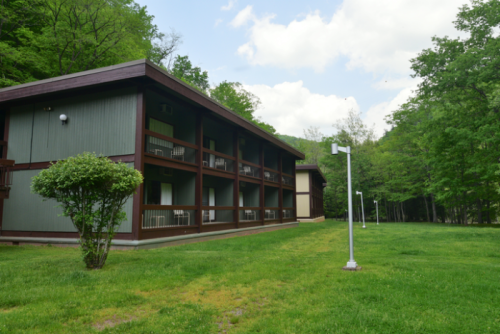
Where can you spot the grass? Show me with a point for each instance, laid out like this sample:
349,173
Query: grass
416,278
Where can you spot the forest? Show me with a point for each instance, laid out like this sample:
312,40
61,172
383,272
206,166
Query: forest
439,162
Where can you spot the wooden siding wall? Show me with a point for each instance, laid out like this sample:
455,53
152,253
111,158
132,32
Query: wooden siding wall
223,189
103,123
183,183
183,119
24,211
250,194
287,198
221,134
271,195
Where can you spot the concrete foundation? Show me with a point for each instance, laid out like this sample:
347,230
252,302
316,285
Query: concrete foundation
151,243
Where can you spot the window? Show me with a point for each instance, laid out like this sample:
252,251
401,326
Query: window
161,127
158,193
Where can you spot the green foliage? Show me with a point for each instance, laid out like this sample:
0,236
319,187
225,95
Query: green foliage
241,101
416,278
45,38
19,60
92,191
184,70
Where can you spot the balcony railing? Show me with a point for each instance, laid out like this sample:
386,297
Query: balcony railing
271,176
219,161
249,214
287,213
249,169
215,216
271,214
153,219
172,149
287,180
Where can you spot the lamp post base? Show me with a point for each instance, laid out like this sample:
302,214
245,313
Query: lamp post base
346,268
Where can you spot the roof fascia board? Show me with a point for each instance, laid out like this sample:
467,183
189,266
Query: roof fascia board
76,80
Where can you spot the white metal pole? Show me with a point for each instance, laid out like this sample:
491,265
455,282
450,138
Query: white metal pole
376,206
351,263
362,210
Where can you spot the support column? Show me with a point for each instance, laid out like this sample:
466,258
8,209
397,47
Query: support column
262,202
280,197
294,173
236,191
138,199
4,156
199,174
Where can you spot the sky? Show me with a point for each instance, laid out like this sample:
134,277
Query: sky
310,62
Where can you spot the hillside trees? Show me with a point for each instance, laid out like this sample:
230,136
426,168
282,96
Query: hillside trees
45,38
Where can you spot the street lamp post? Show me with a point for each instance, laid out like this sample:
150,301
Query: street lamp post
362,208
351,265
376,206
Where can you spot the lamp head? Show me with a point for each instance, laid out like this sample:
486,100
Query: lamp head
63,118
335,149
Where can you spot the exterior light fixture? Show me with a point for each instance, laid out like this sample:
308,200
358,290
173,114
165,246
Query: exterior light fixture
351,265
64,119
362,209
376,205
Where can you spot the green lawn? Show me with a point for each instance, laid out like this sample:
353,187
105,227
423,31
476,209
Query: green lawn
416,278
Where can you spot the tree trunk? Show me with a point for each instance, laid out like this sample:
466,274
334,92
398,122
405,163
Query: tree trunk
427,209
403,213
488,216
479,211
434,214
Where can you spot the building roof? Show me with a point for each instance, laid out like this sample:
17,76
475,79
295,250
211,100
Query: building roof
128,71
313,169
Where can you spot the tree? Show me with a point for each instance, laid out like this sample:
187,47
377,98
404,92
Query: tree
241,101
79,35
91,191
164,49
19,60
311,146
183,69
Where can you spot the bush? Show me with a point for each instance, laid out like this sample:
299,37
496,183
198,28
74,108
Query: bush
92,191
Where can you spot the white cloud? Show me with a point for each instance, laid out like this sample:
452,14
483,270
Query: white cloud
290,108
217,22
243,17
376,114
229,5
376,36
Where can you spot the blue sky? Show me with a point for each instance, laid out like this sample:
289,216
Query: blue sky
310,62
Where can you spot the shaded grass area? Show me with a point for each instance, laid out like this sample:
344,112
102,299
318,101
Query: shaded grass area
416,278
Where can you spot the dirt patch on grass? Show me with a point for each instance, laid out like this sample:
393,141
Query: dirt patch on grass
113,321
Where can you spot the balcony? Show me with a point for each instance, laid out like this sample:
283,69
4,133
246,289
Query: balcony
214,215
216,160
249,214
287,180
170,148
249,169
271,176
271,214
167,217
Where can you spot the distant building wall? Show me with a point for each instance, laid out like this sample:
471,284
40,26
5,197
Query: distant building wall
302,181
24,211
303,206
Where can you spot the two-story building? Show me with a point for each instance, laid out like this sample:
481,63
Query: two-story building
206,169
